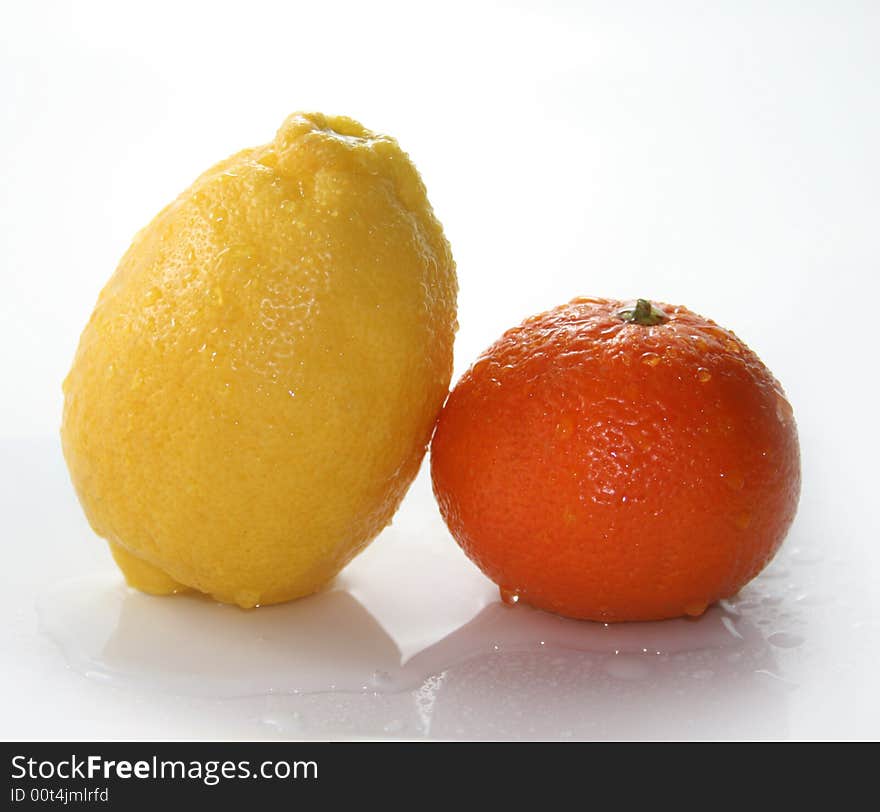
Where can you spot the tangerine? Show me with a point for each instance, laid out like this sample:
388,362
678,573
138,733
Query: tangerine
612,462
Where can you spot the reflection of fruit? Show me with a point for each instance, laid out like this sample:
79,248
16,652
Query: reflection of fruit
618,462
256,387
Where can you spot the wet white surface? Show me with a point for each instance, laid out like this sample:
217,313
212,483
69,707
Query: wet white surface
411,641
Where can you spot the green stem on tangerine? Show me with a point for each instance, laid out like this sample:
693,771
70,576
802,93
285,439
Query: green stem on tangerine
644,313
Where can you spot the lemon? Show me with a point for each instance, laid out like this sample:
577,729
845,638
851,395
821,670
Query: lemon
256,386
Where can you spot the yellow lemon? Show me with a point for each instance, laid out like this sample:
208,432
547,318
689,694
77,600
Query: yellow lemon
255,389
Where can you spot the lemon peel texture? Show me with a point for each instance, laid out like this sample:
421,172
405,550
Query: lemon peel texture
256,386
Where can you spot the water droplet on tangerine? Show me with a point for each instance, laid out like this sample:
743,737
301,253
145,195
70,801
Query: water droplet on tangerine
565,426
695,608
734,480
784,411
743,520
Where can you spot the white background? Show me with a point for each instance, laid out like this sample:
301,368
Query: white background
718,155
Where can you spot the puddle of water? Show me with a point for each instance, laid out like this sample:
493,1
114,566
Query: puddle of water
330,642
